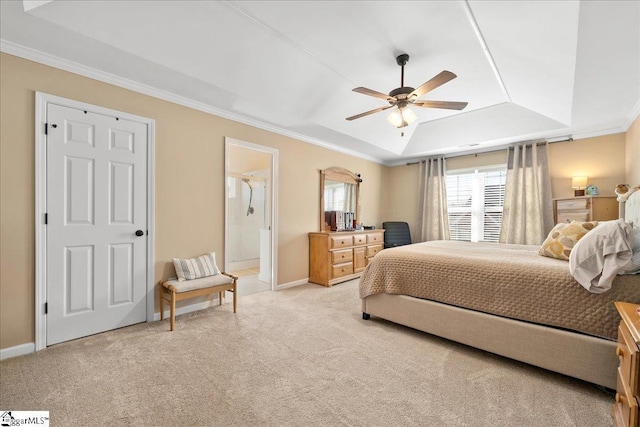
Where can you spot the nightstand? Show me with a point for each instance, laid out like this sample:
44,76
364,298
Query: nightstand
625,410
585,208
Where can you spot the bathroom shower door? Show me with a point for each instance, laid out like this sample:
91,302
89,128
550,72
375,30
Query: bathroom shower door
249,215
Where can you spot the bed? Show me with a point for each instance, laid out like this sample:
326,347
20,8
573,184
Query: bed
505,299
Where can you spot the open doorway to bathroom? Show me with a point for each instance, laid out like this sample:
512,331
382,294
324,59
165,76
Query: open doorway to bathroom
250,249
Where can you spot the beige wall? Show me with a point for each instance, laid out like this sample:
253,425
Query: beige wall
243,160
400,201
601,159
189,149
632,168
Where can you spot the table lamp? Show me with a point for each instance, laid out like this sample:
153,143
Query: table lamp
579,183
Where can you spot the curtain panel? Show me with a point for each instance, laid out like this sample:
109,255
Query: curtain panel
350,198
433,223
528,212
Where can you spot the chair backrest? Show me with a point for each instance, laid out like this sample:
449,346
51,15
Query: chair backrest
396,233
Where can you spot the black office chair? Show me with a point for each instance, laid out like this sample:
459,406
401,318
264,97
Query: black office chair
396,234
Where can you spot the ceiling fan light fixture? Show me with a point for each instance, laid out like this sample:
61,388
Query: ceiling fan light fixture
401,117
405,95
408,115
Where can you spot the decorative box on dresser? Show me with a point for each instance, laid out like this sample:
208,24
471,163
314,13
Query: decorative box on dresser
625,410
585,208
336,257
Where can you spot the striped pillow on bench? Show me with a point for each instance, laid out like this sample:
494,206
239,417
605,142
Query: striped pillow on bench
196,268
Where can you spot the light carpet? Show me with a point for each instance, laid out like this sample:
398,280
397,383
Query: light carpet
297,357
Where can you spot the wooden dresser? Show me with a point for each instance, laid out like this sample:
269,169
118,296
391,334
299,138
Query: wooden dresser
625,410
336,257
585,208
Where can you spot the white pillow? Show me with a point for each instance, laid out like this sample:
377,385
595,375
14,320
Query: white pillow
633,266
195,268
597,258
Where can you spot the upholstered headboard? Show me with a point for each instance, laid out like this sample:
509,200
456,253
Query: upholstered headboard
631,208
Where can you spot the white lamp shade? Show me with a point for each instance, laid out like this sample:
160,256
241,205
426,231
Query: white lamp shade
408,115
395,118
401,117
579,182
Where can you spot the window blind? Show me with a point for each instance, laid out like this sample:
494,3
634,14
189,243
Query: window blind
474,202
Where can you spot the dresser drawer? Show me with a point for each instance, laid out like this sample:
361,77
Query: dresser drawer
341,241
627,352
360,239
626,407
572,204
573,216
373,250
374,238
340,270
341,256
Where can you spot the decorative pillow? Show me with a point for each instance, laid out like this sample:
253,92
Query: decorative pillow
563,238
599,256
195,268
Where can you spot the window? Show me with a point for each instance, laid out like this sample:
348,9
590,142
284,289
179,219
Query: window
474,202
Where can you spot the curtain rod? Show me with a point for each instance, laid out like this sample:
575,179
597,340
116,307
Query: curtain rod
491,151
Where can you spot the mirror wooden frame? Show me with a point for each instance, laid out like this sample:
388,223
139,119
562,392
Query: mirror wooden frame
342,175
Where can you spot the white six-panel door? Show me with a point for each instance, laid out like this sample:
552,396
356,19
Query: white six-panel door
96,268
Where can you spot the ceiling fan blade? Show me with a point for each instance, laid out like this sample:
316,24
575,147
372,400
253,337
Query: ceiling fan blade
449,105
435,82
357,116
370,92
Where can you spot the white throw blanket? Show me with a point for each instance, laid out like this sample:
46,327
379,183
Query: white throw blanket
597,258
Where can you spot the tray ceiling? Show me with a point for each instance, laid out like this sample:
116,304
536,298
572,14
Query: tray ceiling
528,69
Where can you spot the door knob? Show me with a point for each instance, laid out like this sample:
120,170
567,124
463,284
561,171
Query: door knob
139,233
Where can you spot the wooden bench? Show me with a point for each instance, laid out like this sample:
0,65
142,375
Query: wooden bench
172,290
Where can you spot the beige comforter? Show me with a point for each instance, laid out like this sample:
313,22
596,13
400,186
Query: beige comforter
507,280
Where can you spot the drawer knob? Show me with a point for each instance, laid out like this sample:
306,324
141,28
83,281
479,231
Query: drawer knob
621,399
619,352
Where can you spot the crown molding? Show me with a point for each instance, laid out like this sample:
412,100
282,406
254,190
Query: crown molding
577,134
633,115
105,77
574,134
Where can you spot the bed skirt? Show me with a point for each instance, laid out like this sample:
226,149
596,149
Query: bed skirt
577,355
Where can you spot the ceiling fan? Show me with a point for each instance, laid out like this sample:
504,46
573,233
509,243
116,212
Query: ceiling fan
404,96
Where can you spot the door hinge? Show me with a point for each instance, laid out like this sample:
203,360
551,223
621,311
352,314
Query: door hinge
46,308
46,218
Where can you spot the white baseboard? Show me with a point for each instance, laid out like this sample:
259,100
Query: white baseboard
292,284
192,307
18,350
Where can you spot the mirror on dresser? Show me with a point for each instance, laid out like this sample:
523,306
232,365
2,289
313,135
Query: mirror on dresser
339,199
338,252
